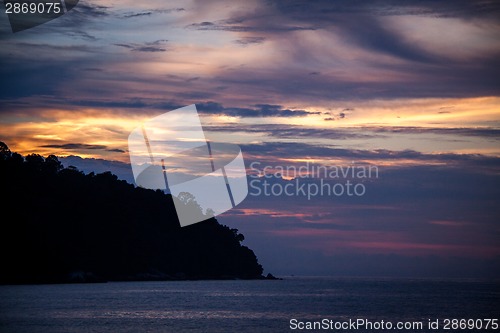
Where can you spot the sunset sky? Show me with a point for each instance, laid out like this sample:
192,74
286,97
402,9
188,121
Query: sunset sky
410,87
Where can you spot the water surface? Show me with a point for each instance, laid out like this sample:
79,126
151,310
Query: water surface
239,306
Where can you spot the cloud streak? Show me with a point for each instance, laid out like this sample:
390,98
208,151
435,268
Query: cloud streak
82,146
259,110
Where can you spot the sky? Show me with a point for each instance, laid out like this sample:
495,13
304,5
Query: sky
411,89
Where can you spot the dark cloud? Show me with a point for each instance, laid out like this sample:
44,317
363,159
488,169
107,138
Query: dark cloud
149,49
45,47
322,8
423,74
76,20
93,69
366,132
374,35
294,131
464,131
90,9
81,34
82,146
116,150
30,79
138,14
426,73
249,40
357,22
127,46
275,152
151,12
131,103
259,110
453,80
236,26
155,46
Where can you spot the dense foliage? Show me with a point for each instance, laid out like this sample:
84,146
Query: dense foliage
61,225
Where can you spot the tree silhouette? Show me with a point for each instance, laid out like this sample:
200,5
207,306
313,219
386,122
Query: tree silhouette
67,226
5,152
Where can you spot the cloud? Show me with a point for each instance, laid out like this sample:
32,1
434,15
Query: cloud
295,153
376,36
293,131
259,110
75,146
138,14
244,41
155,46
342,18
75,21
324,8
366,132
151,12
405,64
379,59
493,133
149,49
93,69
82,146
234,25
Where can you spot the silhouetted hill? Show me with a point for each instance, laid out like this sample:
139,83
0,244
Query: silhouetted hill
61,225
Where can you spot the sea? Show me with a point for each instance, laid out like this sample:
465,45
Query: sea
294,304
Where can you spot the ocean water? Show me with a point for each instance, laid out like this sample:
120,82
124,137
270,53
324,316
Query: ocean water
247,306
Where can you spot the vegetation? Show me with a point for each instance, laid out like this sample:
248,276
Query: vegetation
61,225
